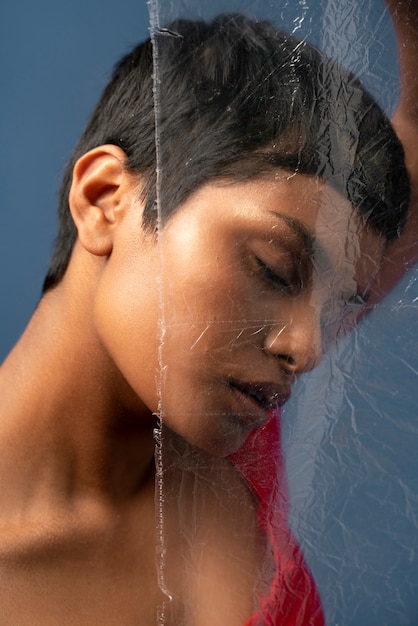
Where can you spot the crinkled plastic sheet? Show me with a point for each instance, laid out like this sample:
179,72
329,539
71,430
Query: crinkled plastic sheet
314,519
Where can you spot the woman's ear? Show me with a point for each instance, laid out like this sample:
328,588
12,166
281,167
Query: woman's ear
98,199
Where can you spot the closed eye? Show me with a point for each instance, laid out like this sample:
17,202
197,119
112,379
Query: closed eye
273,277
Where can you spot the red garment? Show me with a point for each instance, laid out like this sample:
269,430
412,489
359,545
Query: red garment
293,599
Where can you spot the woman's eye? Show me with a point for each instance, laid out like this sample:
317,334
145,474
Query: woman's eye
273,277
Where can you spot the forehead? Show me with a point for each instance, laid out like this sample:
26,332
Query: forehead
308,201
296,212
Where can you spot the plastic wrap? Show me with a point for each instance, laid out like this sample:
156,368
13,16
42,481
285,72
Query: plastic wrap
306,513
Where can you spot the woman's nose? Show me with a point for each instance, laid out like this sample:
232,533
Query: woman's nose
297,339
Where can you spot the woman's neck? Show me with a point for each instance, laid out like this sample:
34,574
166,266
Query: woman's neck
70,423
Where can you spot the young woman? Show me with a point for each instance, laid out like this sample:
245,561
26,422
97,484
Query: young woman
213,225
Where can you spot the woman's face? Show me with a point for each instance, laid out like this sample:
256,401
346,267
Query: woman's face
212,324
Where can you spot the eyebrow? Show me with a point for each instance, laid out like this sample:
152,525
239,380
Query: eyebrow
308,240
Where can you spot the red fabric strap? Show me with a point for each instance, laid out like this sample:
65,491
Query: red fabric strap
293,599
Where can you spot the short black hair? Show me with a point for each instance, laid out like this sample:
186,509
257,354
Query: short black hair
237,98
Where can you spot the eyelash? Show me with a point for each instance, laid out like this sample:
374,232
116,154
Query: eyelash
272,277
353,302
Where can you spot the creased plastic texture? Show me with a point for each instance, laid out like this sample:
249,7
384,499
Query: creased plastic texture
312,519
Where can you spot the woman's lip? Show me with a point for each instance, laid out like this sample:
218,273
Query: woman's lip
257,400
266,395
251,413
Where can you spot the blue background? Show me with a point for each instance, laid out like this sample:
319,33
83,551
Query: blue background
350,433
55,59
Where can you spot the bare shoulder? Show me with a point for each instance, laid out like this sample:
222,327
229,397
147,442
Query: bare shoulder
79,571
86,571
